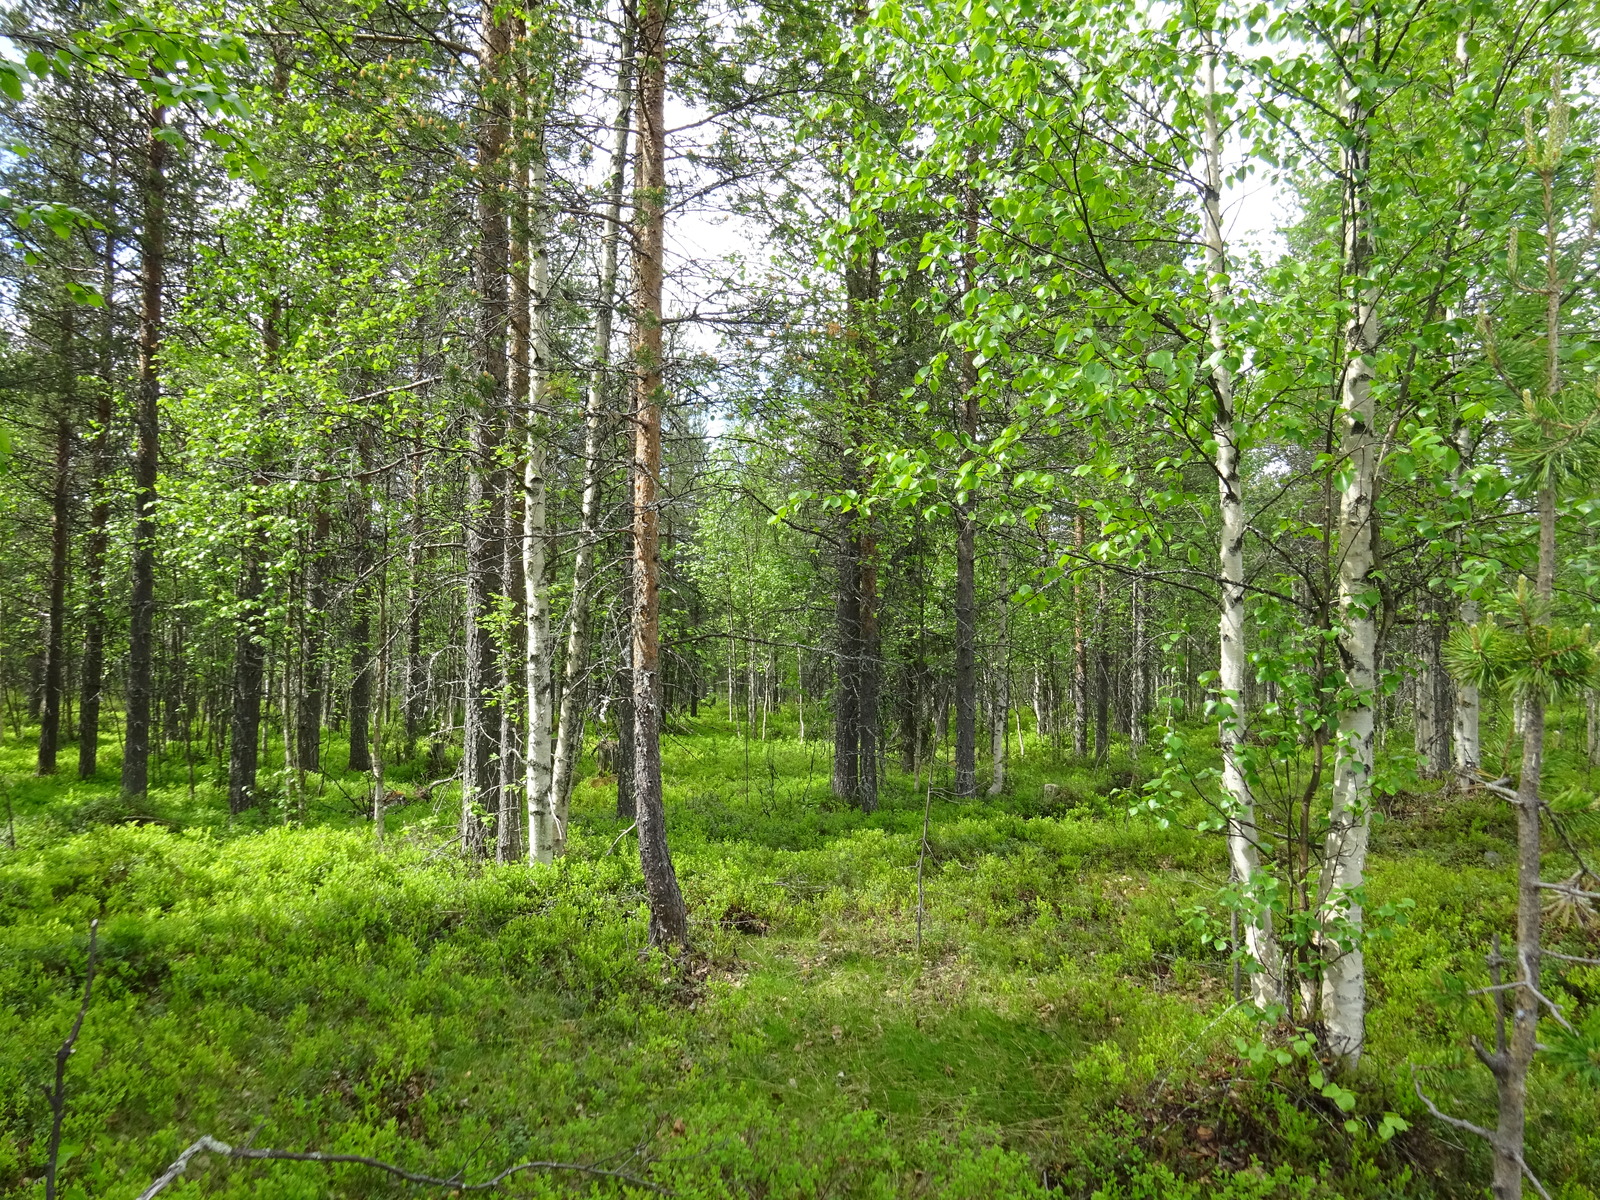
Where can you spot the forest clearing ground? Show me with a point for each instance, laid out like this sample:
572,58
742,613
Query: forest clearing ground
1063,1027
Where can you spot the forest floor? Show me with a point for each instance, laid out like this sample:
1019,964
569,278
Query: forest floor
1058,1025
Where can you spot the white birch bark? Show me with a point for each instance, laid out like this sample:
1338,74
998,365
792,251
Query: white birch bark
1464,722
569,736
1243,841
542,830
1344,981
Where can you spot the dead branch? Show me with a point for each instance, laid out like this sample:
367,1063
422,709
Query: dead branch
212,1145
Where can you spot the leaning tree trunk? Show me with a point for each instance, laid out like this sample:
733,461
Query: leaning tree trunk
142,595
574,691
669,918
1344,980
1267,982
484,519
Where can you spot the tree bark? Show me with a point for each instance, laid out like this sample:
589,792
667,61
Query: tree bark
55,646
142,595
484,519
545,837
1344,982
92,673
313,642
847,681
966,665
361,661
249,660
669,918
574,692
1080,647
1267,979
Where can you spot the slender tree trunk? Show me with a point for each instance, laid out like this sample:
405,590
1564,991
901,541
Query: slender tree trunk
869,676
574,693
249,661
55,647
1513,1058
416,696
545,838
1139,672
142,595
484,519
847,678
1102,674
313,641
361,662
92,675
966,666
380,796
669,918
1080,648
1267,980
1344,982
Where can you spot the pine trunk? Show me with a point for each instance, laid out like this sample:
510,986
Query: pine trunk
669,918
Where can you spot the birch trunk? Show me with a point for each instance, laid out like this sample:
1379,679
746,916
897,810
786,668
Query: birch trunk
569,736
1244,853
543,832
1464,734
1344,981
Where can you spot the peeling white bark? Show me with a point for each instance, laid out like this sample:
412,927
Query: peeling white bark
1344,981
1243,840
542,830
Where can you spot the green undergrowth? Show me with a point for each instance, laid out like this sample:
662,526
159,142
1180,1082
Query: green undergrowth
1054,1026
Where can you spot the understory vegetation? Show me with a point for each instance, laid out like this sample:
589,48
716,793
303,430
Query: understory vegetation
1064,1023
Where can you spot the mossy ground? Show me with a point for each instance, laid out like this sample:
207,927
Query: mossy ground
1059,1028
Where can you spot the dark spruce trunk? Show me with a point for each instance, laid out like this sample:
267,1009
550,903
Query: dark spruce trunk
55,646
249,664
142,595
485,519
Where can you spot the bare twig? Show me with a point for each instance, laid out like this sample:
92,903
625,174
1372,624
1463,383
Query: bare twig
58,1097
1568,890
212,1145
613,847
1478,1130
1433,1108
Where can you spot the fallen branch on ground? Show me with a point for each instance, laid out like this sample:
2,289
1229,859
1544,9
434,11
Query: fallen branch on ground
211,1145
